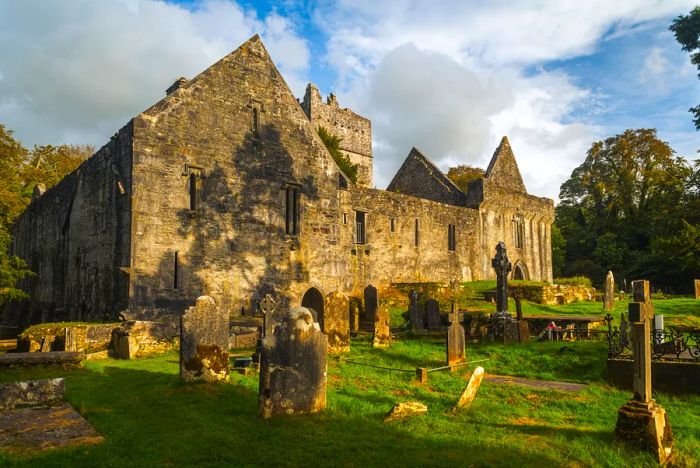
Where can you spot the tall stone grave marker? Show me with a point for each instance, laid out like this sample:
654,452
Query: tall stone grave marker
641,421
336,322
371,302
293,367
355,308
502,326
432,311
382,333
609,297
204,342
415,312
267,308
455,339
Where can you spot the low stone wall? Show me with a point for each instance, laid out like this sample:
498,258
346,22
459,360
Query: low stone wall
31,393
136,338
672,377
551,294
88,337
476,325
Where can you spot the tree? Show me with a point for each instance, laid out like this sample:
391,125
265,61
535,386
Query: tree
558,251
462,174
686,28
629,194
332,144
48,164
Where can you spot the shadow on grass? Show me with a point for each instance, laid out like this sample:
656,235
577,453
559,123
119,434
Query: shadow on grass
152,419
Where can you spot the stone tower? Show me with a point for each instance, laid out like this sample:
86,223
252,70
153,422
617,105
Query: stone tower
354,130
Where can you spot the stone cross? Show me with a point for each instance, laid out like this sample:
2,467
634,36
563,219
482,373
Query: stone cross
267,307
609,297
640,313
502,266
455,339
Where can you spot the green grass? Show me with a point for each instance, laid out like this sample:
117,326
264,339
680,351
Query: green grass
150,418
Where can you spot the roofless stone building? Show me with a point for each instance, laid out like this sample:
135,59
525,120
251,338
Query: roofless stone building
223,188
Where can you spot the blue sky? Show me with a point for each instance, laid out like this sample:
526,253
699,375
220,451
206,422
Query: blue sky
449,77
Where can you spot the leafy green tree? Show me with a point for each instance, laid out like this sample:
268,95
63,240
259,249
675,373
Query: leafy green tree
558,251
332,144
630,193
462,174
48,164
686,28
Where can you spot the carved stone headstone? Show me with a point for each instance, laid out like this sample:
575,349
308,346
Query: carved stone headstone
432,312
336,322
455,339
381,338
415,312
204,342
293,368
371,302
609,297
469,392
641,420
267,308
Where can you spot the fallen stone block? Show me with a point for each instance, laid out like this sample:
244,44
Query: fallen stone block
406,410
64,358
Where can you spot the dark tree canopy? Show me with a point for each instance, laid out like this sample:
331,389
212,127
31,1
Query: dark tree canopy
629,208
686,28
463,174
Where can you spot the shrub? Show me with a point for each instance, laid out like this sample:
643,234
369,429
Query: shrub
574,281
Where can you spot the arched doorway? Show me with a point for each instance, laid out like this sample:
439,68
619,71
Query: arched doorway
519,272
313,300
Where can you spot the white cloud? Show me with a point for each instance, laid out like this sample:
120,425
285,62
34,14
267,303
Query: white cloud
77,70
469,80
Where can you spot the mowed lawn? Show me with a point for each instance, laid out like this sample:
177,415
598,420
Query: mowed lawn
150,418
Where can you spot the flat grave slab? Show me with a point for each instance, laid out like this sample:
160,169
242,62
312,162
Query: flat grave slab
538,384
45,427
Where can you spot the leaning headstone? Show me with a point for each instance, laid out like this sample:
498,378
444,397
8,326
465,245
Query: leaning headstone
697,289
502,326
415,312
455,339
609,297
469,393
336,322
204,342
641,421
432,312
293,367
381,338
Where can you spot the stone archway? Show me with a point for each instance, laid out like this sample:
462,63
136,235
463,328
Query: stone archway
519,272
313,300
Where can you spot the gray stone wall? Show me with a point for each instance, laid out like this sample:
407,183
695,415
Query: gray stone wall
354,130
76,238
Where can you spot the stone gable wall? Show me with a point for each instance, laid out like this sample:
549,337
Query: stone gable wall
75,237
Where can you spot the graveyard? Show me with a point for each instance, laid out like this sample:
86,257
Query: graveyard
558,411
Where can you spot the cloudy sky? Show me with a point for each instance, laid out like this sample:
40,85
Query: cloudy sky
449,77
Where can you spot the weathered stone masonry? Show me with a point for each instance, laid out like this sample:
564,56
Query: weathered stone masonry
223,188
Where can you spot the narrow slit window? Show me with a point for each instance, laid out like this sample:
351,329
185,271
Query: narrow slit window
451,237
519,231
255,123
193,192
345,218
360,227
392,225
292,211
176,272
417,233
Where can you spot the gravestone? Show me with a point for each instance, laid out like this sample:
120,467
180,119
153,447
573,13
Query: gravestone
415,312
293,367
355,308
697,289
336,322
371,301
381,338
267,308
204,342
432,312
641,421
455,339
609,297
469,392
70,340
502,326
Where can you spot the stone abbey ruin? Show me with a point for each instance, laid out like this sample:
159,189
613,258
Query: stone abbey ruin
223,188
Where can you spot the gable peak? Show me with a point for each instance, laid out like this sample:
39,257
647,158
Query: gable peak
503,169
